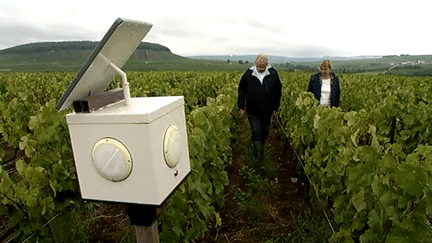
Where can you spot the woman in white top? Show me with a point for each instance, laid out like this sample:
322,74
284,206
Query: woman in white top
325,85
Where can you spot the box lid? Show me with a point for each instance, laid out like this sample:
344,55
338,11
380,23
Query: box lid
143,110
118,44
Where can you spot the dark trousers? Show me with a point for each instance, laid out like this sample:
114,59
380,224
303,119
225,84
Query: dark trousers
260,126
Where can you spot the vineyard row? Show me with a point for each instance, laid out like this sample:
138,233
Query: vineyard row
370,158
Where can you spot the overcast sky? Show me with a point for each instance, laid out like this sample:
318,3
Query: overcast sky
301,28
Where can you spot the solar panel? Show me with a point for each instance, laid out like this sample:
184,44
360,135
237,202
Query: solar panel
118,44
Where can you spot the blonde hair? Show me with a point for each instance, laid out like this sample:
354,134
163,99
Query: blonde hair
261,57
326,64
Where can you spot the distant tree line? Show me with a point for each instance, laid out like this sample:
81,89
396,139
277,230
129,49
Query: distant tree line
402,55
340,67
412,70
292,66
362,67
239,61
69,46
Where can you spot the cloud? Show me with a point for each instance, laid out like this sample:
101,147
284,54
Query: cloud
260,26
192,27
23,33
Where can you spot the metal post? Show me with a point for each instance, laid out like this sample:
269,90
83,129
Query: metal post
123,75
126,89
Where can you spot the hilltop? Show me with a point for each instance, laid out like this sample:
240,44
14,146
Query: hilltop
71,55
46,47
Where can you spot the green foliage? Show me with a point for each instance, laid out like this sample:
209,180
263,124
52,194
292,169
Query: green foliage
195,205
31,123
260,178
379,190
309,227
243,198
73,225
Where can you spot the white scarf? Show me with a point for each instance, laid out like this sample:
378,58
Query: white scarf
259,75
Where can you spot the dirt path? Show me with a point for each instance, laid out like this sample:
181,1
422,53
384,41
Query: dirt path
276,220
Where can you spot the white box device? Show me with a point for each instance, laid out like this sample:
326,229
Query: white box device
131,150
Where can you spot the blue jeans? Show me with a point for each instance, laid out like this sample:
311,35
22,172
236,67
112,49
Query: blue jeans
260,127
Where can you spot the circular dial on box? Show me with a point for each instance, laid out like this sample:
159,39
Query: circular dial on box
112,159
172,146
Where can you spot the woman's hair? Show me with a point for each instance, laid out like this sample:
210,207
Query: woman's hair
326,64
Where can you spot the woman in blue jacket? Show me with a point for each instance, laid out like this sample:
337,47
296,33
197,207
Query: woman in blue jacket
325,85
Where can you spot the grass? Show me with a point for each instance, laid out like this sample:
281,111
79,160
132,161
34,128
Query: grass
87,222
310,227
73,225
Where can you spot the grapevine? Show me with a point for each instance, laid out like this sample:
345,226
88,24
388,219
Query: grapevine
379,190
31,123
371,158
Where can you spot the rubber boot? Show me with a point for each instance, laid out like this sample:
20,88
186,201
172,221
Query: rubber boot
259,151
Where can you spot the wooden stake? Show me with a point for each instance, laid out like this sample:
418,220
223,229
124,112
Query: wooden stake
147,234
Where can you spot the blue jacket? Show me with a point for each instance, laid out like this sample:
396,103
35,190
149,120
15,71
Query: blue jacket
315,84
259,99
